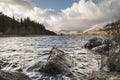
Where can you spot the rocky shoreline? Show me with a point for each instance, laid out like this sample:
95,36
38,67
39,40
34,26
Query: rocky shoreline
110,58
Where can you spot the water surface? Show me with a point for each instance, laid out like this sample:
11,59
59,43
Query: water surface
25,51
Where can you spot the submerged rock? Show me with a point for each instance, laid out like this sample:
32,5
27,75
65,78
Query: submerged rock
13,76
4,65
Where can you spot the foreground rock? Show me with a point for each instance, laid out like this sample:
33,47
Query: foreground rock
57,65
111,62
110,59
58,62
114,60
13,76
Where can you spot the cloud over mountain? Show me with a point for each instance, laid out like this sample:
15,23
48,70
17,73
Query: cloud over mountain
84,14
79,16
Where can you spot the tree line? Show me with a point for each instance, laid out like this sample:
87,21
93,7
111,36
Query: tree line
10,26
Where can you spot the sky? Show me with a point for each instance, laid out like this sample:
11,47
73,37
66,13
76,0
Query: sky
57,5
57,15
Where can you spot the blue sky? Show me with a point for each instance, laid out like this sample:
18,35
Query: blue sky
57,5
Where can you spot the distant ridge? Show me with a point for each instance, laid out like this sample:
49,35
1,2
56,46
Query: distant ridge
96,27
105,29
10,26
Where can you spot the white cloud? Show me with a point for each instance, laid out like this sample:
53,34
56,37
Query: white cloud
79,16
25,8
84,14
15,8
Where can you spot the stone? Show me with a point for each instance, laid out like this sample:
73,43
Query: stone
58,62
56,67
99,45
94,42
114,60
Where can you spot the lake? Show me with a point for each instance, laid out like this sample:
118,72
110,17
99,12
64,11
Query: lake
23,52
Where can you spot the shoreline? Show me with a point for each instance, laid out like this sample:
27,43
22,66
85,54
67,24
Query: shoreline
53,35
25,35
37,35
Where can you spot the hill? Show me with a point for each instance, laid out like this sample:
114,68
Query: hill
10,26
107,29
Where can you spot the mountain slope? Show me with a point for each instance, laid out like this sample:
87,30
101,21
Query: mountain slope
104,29
96,27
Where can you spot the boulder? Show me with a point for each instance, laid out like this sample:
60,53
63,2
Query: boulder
13,76
57,63
99,45
94,42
